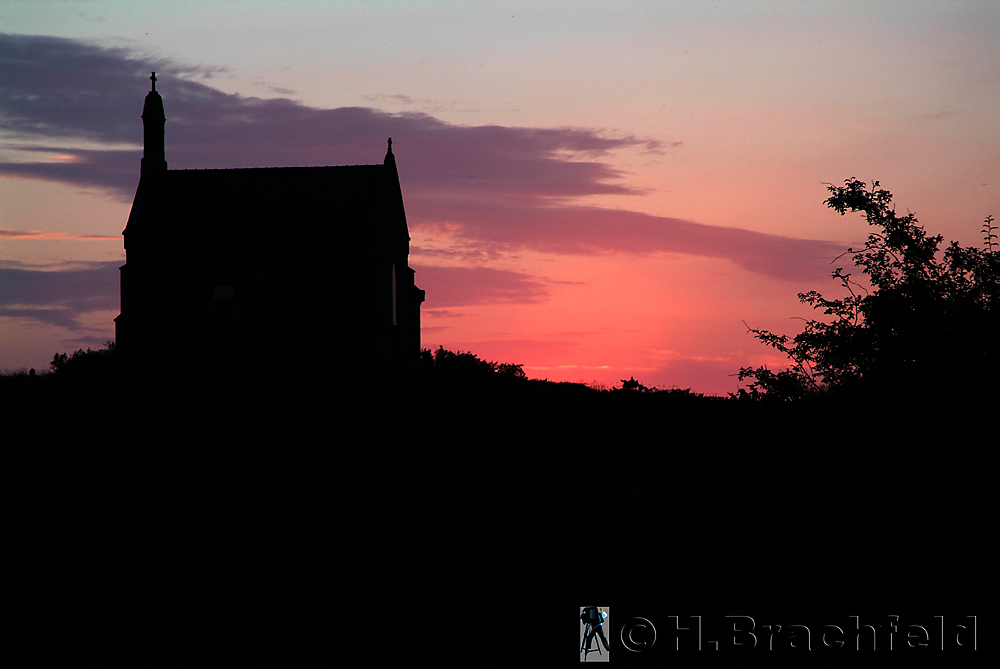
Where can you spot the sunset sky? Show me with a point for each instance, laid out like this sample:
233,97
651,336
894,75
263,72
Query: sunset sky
595,190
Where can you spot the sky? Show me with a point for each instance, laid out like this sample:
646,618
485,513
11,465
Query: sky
594,190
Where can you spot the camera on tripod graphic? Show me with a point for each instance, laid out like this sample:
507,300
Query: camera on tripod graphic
593,618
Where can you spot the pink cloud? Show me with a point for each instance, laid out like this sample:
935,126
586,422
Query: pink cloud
467,286
36,234
573,229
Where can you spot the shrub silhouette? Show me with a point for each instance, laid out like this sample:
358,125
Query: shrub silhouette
926,323
784,385
89,362
633,386
465,363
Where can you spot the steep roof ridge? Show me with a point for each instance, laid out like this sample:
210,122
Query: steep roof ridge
275,167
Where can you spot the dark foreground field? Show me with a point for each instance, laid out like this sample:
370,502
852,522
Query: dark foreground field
446,522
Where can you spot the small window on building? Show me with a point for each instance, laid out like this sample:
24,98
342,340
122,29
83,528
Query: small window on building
222,293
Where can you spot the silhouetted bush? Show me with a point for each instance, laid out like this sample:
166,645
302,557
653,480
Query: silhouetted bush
767,385
633,386
927,324
630,387
426,359
86,363
463,362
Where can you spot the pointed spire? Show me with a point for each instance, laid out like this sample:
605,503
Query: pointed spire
390,159
153,120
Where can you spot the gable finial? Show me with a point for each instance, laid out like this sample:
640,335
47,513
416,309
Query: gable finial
390,145
152,78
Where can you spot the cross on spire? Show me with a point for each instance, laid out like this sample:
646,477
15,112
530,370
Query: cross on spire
152,78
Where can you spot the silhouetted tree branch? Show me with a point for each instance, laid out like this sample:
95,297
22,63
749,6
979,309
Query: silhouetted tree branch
929,322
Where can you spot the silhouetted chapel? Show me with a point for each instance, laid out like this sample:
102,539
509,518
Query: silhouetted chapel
296,263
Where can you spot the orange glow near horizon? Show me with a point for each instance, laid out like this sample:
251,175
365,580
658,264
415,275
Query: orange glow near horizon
644,318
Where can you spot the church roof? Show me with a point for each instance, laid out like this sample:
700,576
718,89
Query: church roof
256,204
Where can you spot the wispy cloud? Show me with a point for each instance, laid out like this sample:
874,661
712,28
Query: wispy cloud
405,99
58,297
581,230
37,234
468,286
934,117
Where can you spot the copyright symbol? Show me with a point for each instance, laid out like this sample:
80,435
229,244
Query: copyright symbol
638,635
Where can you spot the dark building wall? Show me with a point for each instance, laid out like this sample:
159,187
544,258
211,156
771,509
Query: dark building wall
256,300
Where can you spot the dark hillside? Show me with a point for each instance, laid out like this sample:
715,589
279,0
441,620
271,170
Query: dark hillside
295,519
